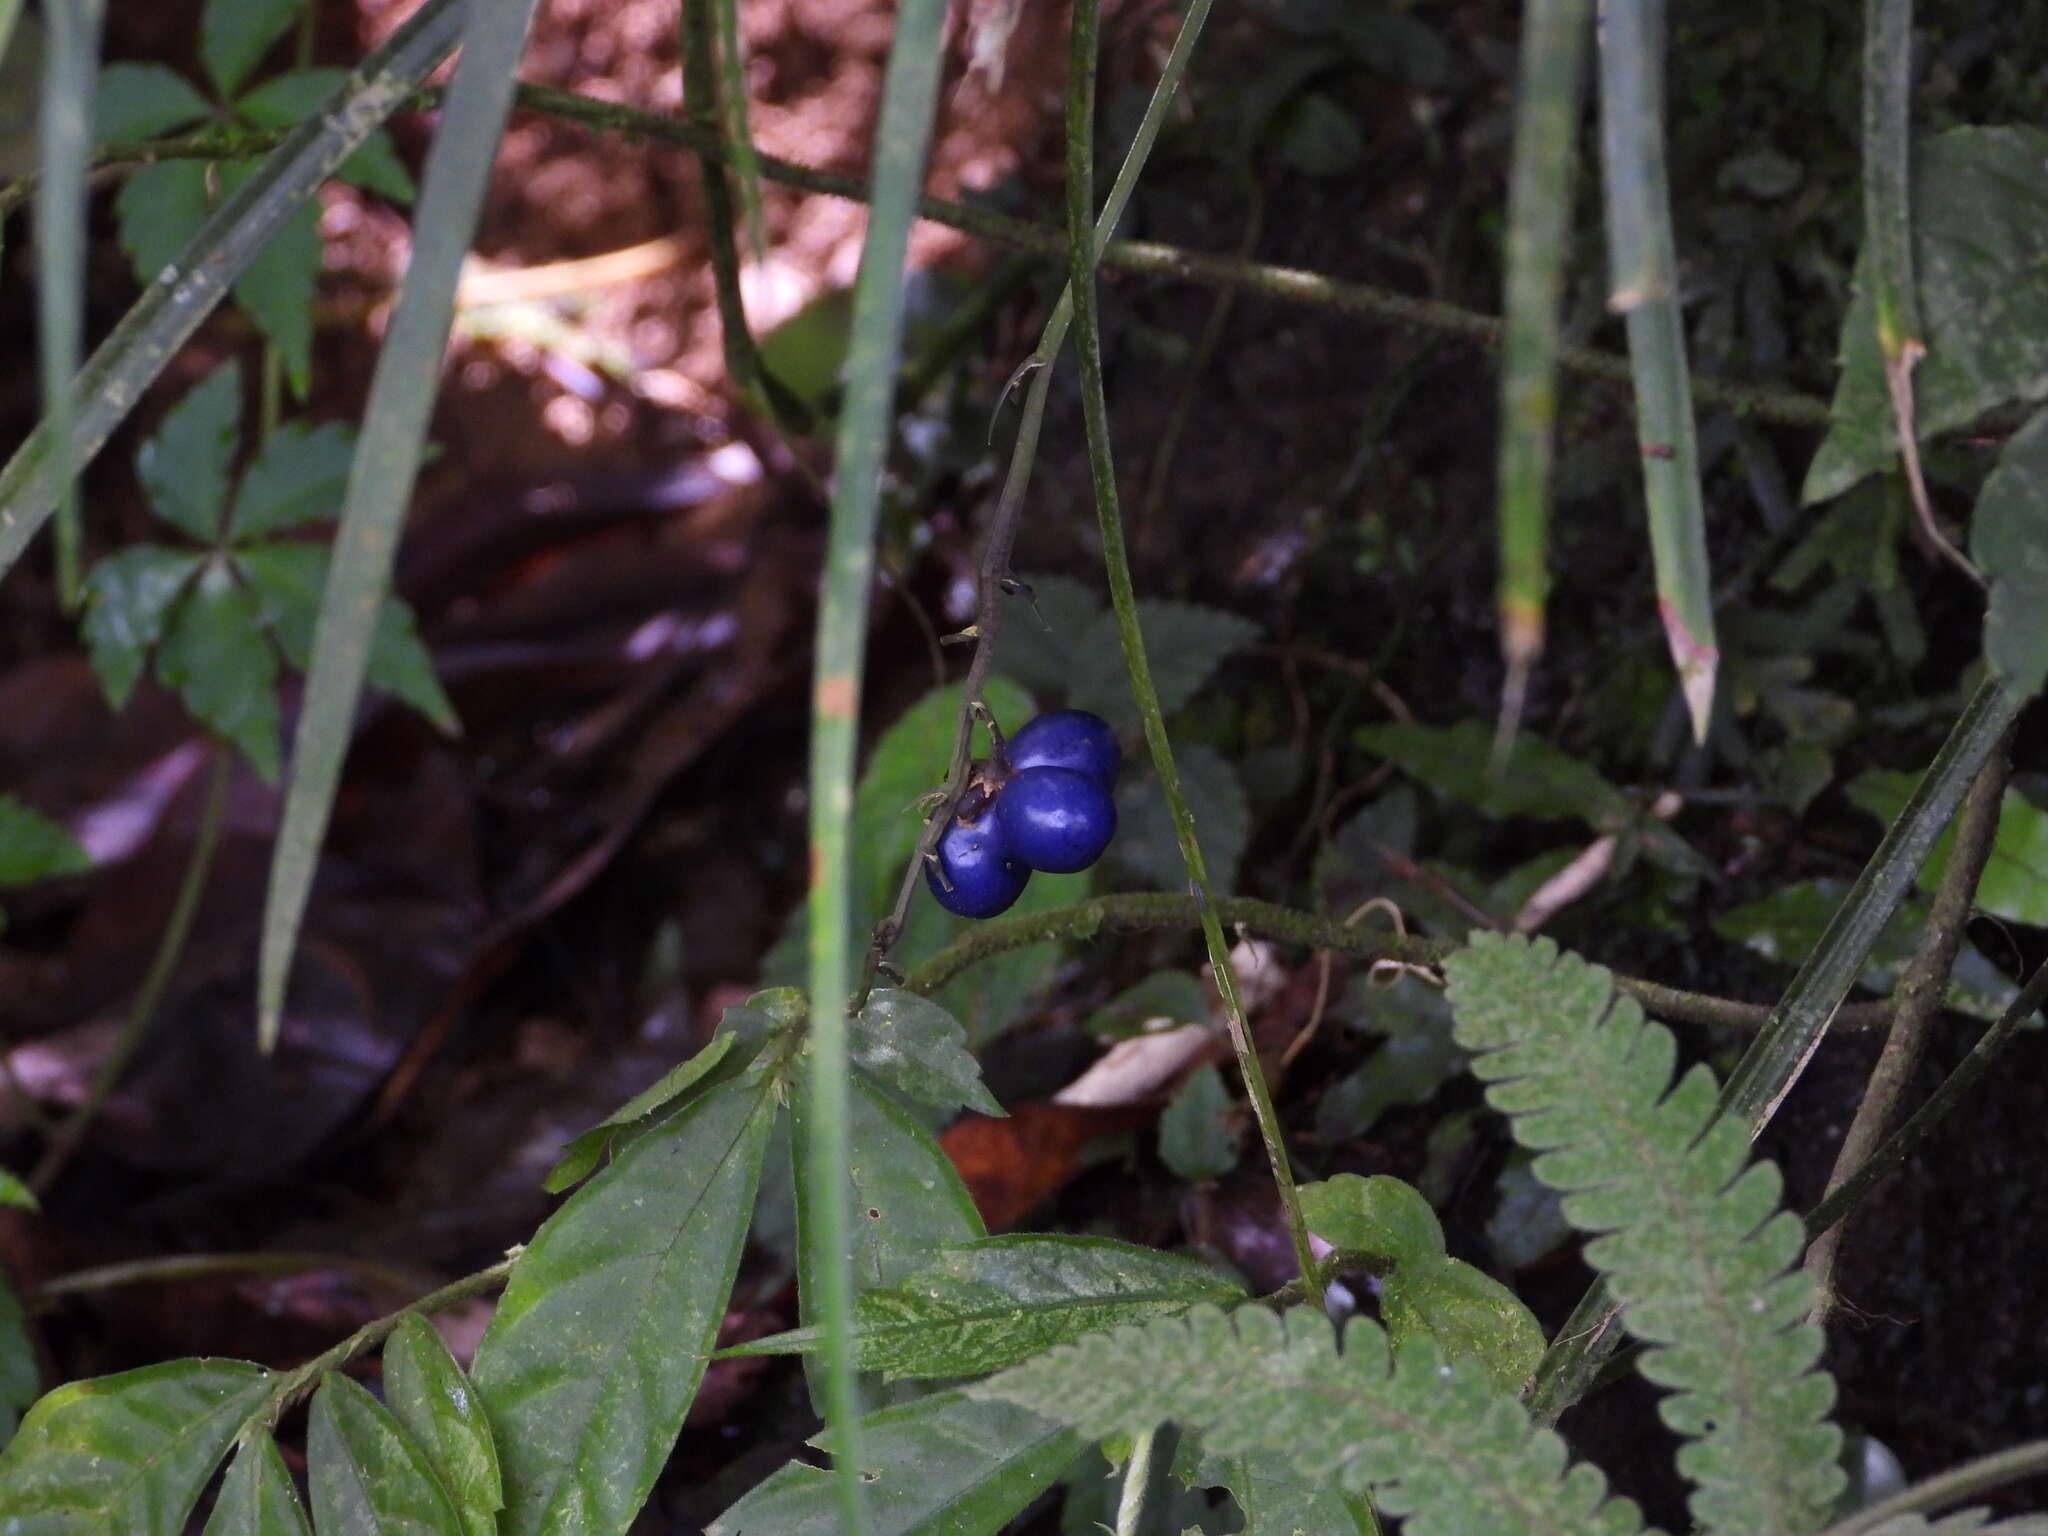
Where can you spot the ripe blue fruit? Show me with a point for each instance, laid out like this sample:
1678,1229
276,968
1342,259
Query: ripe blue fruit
982,874
1069,738
1055,819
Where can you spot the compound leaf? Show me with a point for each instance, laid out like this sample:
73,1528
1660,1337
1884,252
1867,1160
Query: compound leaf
125,1453
600,1339
127,597
291,98
157,211
140,101
216,655
296,478
235,34
277,288
184,467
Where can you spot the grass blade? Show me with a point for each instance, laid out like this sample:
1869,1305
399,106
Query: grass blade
1644,275
171,308
381,478
909,96
1539,228
71,62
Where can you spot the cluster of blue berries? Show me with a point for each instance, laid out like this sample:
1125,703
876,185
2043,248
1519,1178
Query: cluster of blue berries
1043,802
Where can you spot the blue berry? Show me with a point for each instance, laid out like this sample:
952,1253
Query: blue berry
982,877
1069,738
1055,819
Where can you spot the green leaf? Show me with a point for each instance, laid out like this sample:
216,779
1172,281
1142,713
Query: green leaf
157,211
983,1305
127,596
2015,880
1185,643
184,468
587,1150
2009,543
1197,1136
1417,1057
292,98
32,848
433,1401
1041,636
297,477
1538,780
1692,1249
1468,1314
12,1191
941,1466
918,1049
365,1473
216,655
141,101
288,581
1145,842
1174,995
1433,1442
600,1339
1275,1502
20,1379
278,287
1979,199
257,1497
126,1453
235,34
1376,1215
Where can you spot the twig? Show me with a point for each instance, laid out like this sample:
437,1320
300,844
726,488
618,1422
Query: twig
1920,995
175,1268
1142,258
1972,1477
1139,912
170,947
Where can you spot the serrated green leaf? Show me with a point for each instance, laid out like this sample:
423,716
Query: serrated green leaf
983,1305
277,288
1185,642
257,1497
600,1339
296,478
291,98
1197,1134
235,34
435,1404
365,1473
126,1453
2015,880
217,656
587,1150
401,665
2009,543
127,596
140,101
1539,780
1433,1442
941,1466
1979,199
918,1049
1692,1248
33,847
1376,1215
19,1377
1145,842
184,467
157,211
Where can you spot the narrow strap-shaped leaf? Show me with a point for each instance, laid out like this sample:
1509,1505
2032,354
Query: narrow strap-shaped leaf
941,1466
126,1453
1539,230
381,479
600,1339
1695,1246
910,87
435,1403
257,1497
171,308
1431,1441
977,1307
365,1473
1644,277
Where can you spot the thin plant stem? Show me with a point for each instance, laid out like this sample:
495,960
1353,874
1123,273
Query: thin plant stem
1951,1487
170,948
295,1385
1144,911
176,1268
1921,993
1124,602
1130,1504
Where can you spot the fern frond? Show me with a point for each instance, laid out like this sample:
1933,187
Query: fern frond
1432,1441
1695,1244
